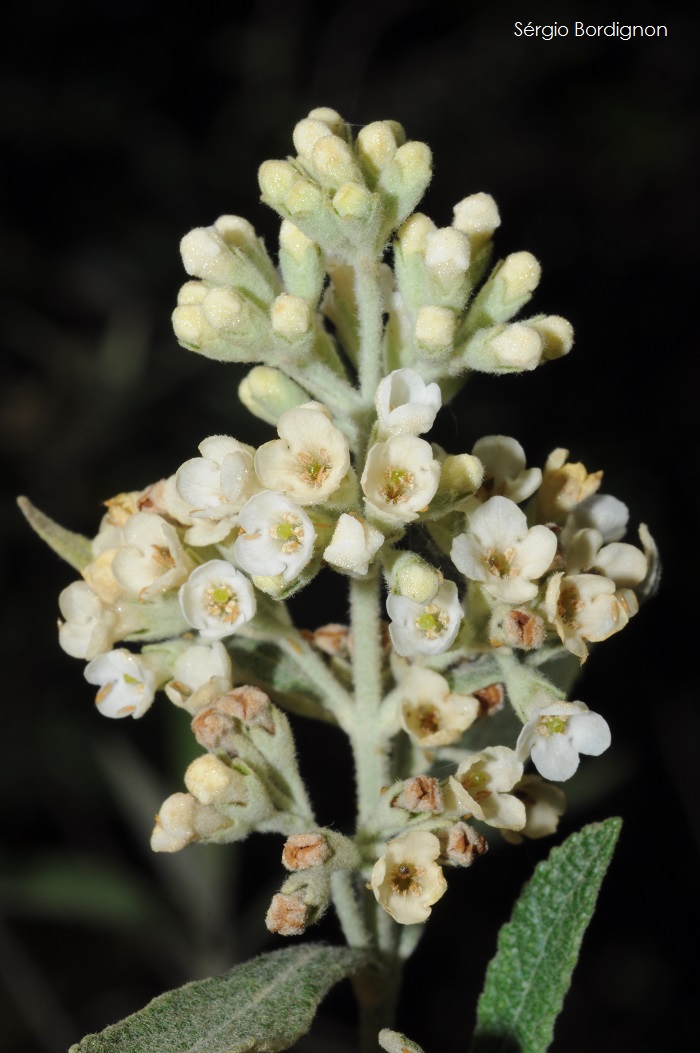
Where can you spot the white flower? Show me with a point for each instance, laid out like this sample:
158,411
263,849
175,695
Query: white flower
277,536
127,683
400,478
603,512
544,805
505,474
217,485
151,559
431,713
587,607
309,460
424,628
406,405
502,552
407,881
217,599
201,674
556,735
90,626
624,564
353,545
480,788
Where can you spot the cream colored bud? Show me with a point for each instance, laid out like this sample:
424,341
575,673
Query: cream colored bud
303,851
205,255
556,333
331,118
517,347
276,179
415,579
520,275
333,161
188,324
268,393
447,249
303,199
191,293
237,232
462,474
376,145
212,781
478,217
352,201
295,242
435,328
414,160
307,133
413,233
291,317
288,915
225,309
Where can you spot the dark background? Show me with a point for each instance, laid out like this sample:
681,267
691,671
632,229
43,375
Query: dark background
123,126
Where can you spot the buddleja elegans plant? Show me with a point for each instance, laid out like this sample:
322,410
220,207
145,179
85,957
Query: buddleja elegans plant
469,577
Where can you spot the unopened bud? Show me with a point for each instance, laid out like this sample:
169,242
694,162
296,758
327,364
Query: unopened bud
477,216
212,781
291,317
303,851
205,254
376,146
182,820
556,333
288,915
414,578
268,393
225,310
191,293
447,251
413,233
237,232
461,475
276,179
503,349
353,201
331,118
334,163
295,242
304,199
435,329
307,133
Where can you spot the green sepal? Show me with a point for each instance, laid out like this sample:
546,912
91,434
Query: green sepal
265,1004
73,548
538,948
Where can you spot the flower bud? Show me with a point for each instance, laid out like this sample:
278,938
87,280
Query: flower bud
301,263
556,333
303,851
510,285
205,254
268,393
415,579
332,119
353,201
291,317
435,329
214,782
477,216
276,179
333,162
405,180
503,349
306,134
288,915
376,147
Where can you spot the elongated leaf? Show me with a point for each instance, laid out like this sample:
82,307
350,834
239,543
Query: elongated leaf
265,1004
74,548
538,948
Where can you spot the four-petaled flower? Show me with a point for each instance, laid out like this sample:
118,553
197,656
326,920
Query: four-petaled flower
406,880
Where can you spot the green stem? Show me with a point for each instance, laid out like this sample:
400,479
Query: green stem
371,754
368,298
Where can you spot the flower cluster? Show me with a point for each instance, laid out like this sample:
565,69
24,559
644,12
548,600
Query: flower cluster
491,568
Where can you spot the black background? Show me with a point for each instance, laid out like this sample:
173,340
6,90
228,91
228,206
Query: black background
123,126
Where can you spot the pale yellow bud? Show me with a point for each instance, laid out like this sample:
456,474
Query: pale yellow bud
461,475
304,198
212,781
276,179
556,333
191,293
414,232
307,133
435,328
414,160
352,201
478,217
520,275
294,241
268,393
291,317
376,145
517,347
333,161
188,323
417,581
331,118
236,231
224,309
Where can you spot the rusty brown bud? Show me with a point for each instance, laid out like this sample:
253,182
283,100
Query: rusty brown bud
302,851
464,844
491,699
288,915
420,794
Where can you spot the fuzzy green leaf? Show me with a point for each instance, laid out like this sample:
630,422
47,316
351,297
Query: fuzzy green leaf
74,548
537,949
265,1004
